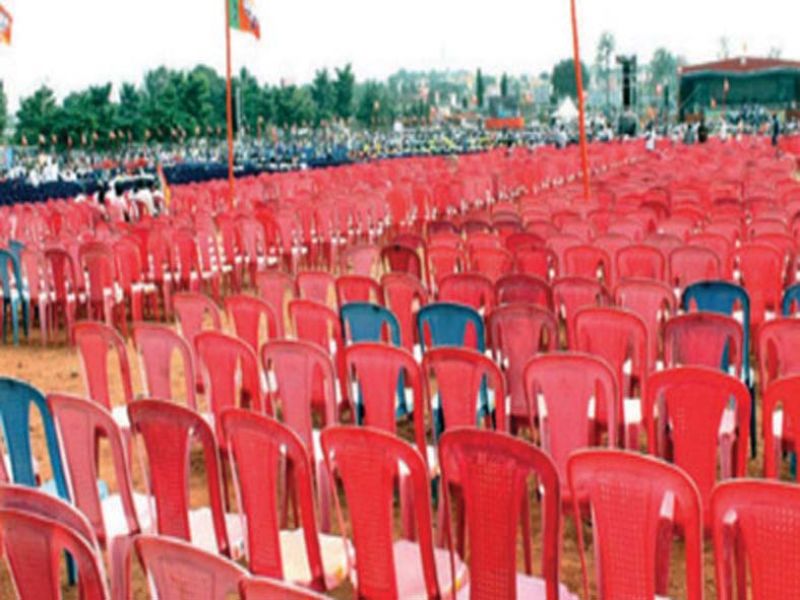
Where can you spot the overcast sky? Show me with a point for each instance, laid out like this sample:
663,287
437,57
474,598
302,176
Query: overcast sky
69,44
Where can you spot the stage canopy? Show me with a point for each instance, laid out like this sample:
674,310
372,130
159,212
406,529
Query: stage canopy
736,82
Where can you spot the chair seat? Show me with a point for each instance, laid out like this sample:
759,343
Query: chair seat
408,566
295,558
529,588
114,515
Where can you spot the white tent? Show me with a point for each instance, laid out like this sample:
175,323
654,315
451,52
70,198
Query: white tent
566,111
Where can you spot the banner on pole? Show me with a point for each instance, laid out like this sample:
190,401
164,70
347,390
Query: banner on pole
5,26
242,16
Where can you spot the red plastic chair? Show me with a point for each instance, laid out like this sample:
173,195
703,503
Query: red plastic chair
704,339
589,262
167,431
368,462
493,474
463,380
65,285
443,261
755,534
717,243
317,286
360,260
105,298
780,422
37,289
517,333
637,505
185,260
471,289
617,335
131,278
778,350
33,546
494,263
654,302
277,289
400,258
404,295
156,345
761,270
612,243
195,312
703,415
691,264
570,294
519,288
318,324
357,288
640,262
250,316
259,446
539,262
178,570
261,588
523,241
580,398
95,341
229,368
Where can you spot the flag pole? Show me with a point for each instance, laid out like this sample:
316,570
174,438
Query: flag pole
229,102
581,108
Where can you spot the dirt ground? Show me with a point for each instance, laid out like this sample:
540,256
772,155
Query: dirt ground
57,368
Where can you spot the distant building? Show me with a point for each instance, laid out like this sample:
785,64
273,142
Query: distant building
738,82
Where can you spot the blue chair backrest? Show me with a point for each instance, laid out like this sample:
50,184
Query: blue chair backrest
365,322
448,324
16,247
722,297
7,258
791,297
16,398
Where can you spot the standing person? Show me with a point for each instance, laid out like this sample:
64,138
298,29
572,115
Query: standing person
776,130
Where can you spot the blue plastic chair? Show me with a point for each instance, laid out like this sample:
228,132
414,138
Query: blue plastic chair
366,322
13,298
16,247
722,297
448,323
791,297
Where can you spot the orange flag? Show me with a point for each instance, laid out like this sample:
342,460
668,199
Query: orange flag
5,26
243,17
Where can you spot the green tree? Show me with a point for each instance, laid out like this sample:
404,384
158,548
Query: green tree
129,111
345,91
480,88
563,79
605,52
37,115
369,104
324,96
663,70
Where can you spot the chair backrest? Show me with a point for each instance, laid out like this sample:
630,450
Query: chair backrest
400,258
448,324
780,422
191,310
95,341
360,259
691,403
316,323
258,446
404,295
305,379
491,262
248,313
690,264
463,378
443,261
62,269
167,431
470,289
381,374
539,262
16,400
156,345
759,519
357,288
578,392
777,352
761,269
636,503
517,333
365,322
640,261
519,287
654,301
277,289
178,570
616,335
570,294
229,368
703,339
101,270
80,423
33,546
588,261
317,286
262,588
367,461
494,473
